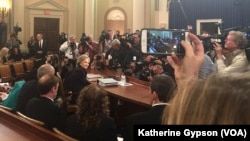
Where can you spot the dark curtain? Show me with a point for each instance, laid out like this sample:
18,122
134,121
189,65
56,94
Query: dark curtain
234,13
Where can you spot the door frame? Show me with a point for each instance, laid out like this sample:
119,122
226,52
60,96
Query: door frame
32,19
200,21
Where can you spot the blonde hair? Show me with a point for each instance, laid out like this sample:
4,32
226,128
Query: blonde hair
4,51
82,58
216,100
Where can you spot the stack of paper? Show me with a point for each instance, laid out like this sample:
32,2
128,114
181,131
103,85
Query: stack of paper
107,82
93,77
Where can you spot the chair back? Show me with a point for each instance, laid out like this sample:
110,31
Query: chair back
28,65
6,108
65,136
60,88
30,119
18,71
6,73
66,96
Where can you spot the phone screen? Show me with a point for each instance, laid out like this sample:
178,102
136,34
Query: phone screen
162,41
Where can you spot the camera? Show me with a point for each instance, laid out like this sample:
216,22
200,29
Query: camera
72,44
209,41
113,64
17,29
145,73
62,38
130,38
84,38
104,35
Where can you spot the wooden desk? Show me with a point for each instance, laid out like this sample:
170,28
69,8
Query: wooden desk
126,100
138,93
13,128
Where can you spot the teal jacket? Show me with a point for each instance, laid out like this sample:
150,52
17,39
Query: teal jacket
11,101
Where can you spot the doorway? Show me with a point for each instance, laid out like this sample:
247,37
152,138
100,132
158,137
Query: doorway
116,20
208,25
49,27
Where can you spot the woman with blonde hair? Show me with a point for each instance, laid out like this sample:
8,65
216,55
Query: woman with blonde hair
76,79
215,100
4,53
92,121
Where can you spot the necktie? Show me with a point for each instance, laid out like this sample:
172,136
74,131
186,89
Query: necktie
40,44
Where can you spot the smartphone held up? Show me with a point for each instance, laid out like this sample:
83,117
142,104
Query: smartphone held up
163,41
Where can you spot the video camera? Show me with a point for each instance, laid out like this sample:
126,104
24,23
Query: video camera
209,41
84,38
104,35
17,29
62,38
72,45
128,38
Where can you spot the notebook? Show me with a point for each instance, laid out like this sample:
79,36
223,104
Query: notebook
93,77
107,82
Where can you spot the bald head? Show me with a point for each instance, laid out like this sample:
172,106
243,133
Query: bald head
45,69
47,82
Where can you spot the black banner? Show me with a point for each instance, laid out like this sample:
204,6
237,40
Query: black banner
192,132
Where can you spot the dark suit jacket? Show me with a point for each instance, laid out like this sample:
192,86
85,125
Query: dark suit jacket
152,116
44,49
47,111
28,91
74,81
105,132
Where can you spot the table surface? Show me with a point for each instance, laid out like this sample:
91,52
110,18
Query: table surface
137,93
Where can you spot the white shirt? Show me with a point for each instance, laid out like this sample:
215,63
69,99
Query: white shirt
238,64
67,50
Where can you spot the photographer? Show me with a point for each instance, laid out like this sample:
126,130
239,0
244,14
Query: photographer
105,40
70,50
12,43
89,47
135,48
235,60
116,52
62,38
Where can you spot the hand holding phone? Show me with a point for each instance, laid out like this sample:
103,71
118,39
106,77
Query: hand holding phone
188,67
163,41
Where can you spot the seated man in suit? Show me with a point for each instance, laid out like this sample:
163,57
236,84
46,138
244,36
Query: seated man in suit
44,108
161,87
30,90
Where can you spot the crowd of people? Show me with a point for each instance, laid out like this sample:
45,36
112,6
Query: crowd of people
189,89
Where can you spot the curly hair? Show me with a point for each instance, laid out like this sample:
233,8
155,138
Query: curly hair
92,104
